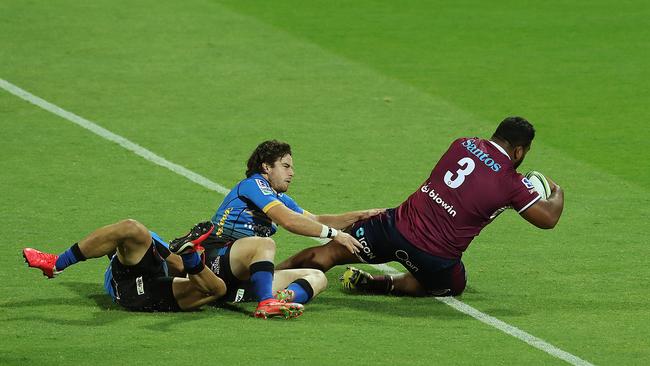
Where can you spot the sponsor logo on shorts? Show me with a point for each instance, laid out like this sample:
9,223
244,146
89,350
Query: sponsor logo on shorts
404,259
364,243
215,267
240,295
117,291
139,285
264,187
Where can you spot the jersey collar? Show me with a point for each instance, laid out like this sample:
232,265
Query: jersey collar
500,149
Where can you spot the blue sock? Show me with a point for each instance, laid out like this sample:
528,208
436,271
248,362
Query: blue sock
69,257
262,279
302,290
192,263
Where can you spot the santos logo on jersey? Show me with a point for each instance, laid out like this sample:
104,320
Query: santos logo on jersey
481,155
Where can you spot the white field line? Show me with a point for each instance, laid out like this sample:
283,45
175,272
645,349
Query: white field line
205,182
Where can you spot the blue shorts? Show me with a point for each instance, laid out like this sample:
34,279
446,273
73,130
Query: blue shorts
383,243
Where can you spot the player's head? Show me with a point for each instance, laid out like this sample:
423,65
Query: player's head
518,134
273,160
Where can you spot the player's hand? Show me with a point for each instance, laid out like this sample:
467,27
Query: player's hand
348,241
554,186
366,214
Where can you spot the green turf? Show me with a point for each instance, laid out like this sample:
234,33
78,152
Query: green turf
369,94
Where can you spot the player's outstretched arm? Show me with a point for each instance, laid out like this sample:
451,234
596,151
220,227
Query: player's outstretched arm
545,213
345,220
303,225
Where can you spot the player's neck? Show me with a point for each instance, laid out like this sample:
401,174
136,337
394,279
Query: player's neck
505,145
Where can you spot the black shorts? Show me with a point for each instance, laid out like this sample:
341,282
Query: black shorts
382,243
144,286
218,260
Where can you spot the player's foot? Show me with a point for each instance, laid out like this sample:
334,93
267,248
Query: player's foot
272,307
354,279
191,242
46,262
285,295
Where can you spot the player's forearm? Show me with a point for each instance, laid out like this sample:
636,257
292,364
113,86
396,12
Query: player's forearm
557,204
303,225
340,221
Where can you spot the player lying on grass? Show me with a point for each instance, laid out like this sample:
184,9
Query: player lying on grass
138,277
248,215
473,182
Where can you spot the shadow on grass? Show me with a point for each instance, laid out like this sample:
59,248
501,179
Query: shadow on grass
423,307
110,313
91,291
403,306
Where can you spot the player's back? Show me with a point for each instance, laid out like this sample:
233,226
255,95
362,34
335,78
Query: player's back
471,183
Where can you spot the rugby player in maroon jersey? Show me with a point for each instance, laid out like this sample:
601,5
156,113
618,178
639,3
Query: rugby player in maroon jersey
472,183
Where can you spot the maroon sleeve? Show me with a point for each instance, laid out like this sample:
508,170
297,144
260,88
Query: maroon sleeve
523,193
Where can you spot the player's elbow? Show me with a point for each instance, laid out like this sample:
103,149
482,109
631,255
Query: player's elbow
548,222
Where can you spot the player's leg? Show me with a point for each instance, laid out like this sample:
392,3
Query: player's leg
198,289
252,259
201,285
298,285
321,257
371,233
355,279
447,282
129,238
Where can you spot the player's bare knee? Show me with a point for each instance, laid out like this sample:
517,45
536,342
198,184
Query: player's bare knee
319,261
133,229
317,280
266,245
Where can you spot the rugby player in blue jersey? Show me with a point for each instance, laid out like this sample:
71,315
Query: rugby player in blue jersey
146,274
138,276
249,215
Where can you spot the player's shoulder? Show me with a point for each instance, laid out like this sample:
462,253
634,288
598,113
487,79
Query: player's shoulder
285,197
256,182
465,142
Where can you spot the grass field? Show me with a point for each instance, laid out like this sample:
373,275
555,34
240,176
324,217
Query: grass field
369,94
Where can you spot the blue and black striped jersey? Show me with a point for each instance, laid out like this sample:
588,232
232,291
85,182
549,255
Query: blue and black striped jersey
243,212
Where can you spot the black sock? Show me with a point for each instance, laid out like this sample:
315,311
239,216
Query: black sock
377,285
77,252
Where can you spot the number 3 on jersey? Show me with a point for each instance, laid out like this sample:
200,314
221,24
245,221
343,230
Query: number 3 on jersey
467,166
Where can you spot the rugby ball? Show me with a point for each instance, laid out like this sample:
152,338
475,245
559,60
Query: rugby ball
540,183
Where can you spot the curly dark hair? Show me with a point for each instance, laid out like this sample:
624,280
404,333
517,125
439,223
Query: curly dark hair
516,131
266,152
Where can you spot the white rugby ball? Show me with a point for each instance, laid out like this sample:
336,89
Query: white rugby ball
540,183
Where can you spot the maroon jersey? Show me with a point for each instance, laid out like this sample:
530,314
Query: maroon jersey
472,183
